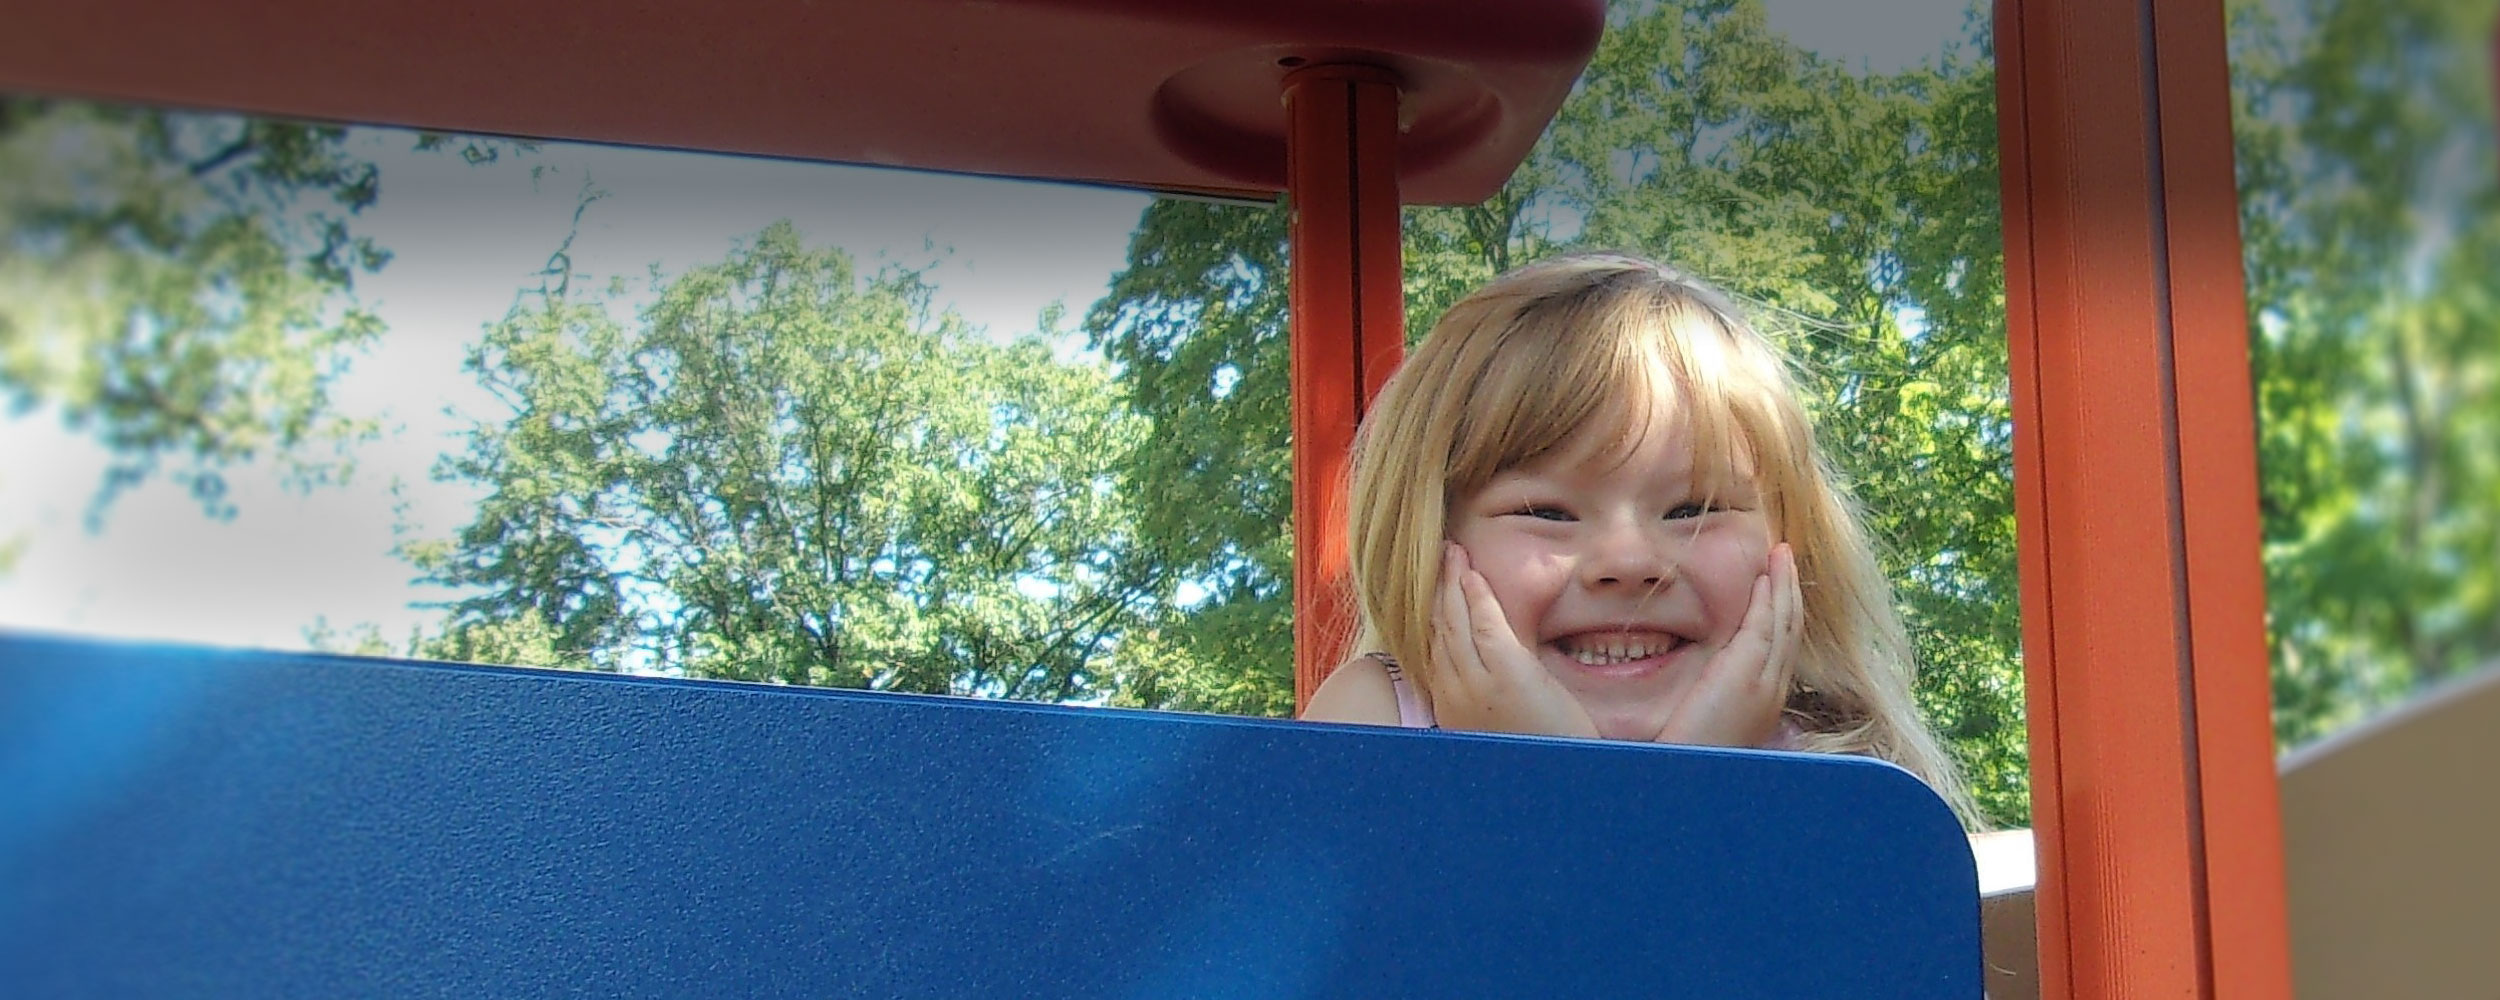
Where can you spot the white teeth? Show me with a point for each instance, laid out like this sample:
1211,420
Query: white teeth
1598,653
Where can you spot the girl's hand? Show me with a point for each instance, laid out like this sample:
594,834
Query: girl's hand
1482,676
1743,686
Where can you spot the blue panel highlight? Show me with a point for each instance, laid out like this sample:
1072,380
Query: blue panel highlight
178,821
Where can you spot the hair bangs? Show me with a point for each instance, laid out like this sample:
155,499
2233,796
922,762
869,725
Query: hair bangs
1571,363
1742,441
1568,365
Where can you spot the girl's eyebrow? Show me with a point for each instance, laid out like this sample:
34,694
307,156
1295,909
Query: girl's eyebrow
1525,472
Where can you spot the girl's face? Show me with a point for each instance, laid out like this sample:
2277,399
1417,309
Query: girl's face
1620,571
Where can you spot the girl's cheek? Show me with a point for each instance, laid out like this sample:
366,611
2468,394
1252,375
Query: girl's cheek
1527,579
1752,543
1737,547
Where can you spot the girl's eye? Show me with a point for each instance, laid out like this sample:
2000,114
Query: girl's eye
1690,510
1544,512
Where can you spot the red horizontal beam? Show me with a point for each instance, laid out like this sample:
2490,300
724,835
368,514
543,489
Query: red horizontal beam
1167,94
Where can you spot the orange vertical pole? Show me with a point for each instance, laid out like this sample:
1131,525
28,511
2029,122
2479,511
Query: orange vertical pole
2153,790
2247,932
1348,325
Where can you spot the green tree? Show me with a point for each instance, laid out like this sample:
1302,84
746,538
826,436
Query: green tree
1860,211
2370,208
180,286
789,471
1195,326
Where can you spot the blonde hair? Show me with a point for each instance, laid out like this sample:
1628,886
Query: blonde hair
1522,365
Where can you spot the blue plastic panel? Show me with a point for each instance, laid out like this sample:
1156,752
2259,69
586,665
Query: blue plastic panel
183,822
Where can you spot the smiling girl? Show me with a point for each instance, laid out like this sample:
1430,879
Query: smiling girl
1591,504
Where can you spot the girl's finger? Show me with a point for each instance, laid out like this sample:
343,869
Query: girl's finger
1455,630
1755,629
1490,629
1436,665
1788,617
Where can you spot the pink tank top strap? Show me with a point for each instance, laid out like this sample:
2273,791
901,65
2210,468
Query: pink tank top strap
1413,713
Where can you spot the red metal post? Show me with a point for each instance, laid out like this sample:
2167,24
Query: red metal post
2153,792
2247,931
1348,325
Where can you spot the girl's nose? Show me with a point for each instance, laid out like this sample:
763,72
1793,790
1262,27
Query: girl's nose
1628,556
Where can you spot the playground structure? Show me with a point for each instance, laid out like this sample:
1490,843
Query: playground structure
2159,817
254,824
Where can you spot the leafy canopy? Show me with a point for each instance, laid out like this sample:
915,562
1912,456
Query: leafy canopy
785,470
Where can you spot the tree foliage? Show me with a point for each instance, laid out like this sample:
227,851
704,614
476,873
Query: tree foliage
2370,200
785,470
164,292
180,286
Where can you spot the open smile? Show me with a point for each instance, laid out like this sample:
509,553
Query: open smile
1619,653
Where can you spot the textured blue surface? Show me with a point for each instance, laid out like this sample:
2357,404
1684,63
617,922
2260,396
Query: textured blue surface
208,823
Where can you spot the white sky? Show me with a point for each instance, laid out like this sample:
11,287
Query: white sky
465,240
